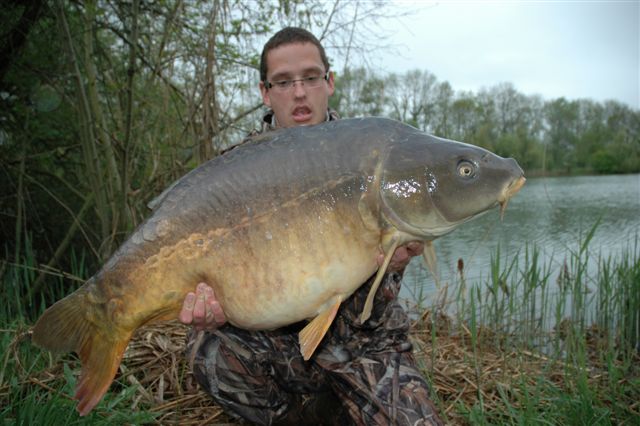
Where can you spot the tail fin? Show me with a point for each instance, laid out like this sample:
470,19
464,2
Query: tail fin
100,360
76,324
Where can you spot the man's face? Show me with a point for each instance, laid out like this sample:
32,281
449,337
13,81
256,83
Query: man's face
299,105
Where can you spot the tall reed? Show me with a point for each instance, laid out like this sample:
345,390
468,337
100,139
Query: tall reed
567,328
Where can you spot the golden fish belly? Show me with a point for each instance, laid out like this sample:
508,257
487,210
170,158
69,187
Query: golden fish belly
295,264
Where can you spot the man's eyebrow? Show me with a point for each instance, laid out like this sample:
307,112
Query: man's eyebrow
287,75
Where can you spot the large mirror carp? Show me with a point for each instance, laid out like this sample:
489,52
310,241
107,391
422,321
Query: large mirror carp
284,228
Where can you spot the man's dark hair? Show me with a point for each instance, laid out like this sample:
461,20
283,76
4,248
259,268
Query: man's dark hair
290,35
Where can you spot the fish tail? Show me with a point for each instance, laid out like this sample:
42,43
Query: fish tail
100,360
68,326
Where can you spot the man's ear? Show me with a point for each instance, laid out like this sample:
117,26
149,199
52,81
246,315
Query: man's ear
332,83
265,94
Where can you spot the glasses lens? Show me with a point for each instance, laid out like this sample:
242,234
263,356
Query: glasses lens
285,85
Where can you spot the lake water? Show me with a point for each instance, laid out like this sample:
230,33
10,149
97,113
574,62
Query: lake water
553,213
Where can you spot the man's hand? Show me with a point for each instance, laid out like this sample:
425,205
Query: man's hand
202,309
402,256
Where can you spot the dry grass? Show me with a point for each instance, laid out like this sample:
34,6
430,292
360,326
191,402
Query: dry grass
156,361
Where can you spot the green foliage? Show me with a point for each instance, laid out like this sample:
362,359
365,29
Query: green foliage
25,403
604,162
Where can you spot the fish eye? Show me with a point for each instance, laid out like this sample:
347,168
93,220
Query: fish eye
466,169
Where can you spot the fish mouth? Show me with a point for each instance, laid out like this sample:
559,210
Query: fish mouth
509,192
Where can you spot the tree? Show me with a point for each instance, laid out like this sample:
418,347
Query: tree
561,119
441,122
359,92
411,97
464,117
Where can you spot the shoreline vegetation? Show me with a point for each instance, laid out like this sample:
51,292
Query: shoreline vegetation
519,348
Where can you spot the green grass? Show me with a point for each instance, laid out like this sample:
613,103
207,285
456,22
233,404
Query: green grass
36,387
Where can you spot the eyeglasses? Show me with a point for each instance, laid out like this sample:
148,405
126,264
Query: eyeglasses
285,85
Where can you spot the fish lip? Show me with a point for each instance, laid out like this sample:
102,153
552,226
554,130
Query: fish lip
515,187
511,190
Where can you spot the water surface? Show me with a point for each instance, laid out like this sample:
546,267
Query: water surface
555,214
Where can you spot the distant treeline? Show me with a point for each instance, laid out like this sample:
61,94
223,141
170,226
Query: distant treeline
104,103
558,136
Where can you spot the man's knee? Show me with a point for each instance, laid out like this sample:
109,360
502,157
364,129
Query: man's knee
243,372
226,364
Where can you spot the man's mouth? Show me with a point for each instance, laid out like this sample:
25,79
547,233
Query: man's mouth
302,114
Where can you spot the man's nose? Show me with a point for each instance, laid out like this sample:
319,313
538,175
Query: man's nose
299,90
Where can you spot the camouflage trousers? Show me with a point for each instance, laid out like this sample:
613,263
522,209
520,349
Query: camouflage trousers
361,374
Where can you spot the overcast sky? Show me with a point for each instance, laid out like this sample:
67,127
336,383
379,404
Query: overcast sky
555,48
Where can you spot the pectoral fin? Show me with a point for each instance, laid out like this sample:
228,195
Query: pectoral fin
368,305
429,256
311,336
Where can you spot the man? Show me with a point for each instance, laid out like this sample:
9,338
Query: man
364,373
